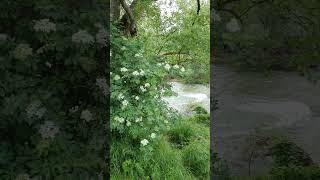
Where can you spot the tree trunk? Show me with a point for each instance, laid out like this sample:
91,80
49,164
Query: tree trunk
114,10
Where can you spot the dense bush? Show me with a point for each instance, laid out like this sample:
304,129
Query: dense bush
139,116
53,89
287,154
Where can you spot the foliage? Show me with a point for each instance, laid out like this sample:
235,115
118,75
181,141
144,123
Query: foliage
287,154
220,168
296,173
181,38
272,35
139,117
53,89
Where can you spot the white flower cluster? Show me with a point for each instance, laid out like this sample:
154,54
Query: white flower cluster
123,69
49,65
48,130
145,142
74,109
82,37
44,25
86,115
137,73
35,109
102,37
233,25
119,119
102,84
138,120
116,77
153,135
168,66
22,51
138,55
124,103
22,177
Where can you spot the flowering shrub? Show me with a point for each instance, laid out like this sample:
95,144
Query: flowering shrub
138,115
53,89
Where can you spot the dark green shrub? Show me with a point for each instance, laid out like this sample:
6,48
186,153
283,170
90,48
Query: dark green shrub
287,154
53,90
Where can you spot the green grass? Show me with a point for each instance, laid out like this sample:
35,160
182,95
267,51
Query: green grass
183,153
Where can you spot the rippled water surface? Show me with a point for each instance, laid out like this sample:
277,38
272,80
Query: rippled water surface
285,101
188,94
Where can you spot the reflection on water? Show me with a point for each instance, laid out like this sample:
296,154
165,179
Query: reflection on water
285,101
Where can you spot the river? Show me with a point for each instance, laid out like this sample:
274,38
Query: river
285,101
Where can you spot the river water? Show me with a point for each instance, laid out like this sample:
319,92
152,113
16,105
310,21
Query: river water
188,94
285,101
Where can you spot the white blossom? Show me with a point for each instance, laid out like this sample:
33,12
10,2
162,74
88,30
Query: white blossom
119,119
49,65
82,37
135,73
102,84
136,98
138,119
74,109
123,69
48,130
143,89
102,37
233,25
125,103
138,55
128,123
147,85
141,72
44,25
116,77
22,51
35,109
176,66
144,142
120,96
123,48
167,67
182,69
86,115
166,122
153,135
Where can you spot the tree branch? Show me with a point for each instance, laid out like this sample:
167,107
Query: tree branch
199,7
128,21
